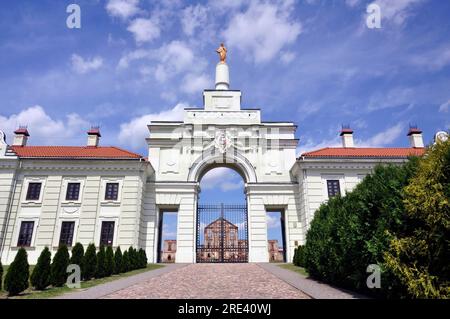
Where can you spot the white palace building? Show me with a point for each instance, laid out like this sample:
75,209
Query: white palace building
52,195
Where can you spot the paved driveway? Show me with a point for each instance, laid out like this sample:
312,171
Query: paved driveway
210,281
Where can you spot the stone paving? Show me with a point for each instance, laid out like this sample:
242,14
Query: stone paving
212,281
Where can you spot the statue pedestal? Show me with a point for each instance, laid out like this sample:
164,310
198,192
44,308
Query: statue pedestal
222,77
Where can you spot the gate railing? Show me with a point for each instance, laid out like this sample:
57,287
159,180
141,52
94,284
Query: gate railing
222,234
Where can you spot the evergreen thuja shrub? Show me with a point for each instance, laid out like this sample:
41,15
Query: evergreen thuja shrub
89,263
125,262
40,278
142,258
300,256
58,269
17,277
294,259
101,263
109,269
132,258
77,255
118,261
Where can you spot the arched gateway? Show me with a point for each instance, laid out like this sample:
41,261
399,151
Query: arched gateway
223,134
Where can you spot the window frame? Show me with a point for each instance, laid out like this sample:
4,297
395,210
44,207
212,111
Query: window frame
336,176
98,229
66,182
113,232
333,182
29,180
73,232
68,188
119,192
116,192
18,228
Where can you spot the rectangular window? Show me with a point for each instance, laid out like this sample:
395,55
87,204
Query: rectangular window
73,191
107,234
34,191
25,234
112,191
333,188
67,230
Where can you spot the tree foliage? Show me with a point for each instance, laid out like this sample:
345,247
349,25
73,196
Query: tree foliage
419,253
40,278
16,279
118,261
125,262
101,263
89,263
109,262
58,269
77,255
349,233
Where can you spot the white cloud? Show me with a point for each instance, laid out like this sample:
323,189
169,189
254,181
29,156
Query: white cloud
134,132
352,3
193,17
384,138
263,30
193,84
222,178
445,107
82,66
125,60
287,57
397,11
144,30
123,9
312,145
272,221
435,59
44,129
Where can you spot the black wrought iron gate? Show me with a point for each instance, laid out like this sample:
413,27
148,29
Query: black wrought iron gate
222,234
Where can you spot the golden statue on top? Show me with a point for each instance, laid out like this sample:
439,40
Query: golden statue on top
222,53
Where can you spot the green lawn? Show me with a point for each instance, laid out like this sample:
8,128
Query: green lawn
292,267
54,292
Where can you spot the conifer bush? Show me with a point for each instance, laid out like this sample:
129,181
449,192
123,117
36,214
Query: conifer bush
125,262
89,267
17,277
419,253
294,259
349,233
101,263
118,261
77,255
40,278
300,256
142,258
109,269
58,269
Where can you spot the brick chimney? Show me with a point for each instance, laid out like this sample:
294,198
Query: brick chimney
347,136
21,137
93,136
415,137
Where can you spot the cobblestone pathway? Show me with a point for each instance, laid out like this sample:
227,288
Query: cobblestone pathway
211,281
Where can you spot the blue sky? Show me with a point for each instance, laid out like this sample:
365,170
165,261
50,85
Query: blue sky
313,62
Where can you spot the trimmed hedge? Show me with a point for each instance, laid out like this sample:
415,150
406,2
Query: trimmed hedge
125,262
142,259
397,218
349,233
17,277
40,278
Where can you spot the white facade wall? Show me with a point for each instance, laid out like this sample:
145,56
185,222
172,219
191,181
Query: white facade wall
52,209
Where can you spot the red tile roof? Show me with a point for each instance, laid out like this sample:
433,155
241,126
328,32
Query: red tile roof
365,152
74,152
